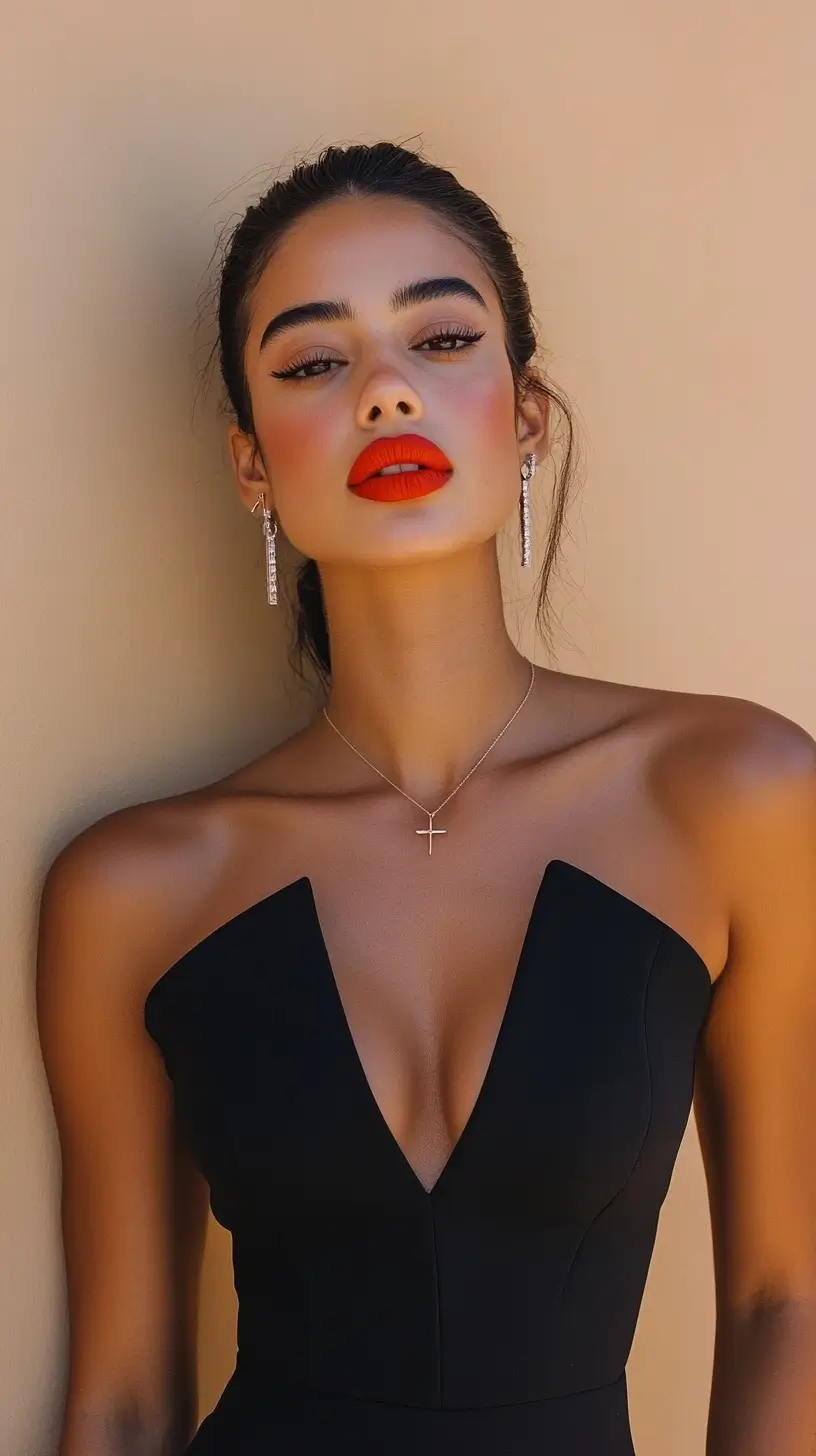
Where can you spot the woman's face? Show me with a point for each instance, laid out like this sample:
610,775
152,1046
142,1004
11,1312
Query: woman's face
323,389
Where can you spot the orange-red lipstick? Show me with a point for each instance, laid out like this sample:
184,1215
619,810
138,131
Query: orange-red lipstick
433,468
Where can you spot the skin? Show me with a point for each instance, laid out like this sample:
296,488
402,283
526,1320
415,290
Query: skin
700,808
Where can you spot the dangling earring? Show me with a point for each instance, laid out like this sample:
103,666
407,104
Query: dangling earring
270,530
528,470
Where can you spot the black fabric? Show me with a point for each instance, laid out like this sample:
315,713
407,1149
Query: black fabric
493,1315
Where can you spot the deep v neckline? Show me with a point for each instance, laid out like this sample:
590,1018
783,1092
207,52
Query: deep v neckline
487,1088
491,1071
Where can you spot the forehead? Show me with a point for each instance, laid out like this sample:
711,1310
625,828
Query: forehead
362,249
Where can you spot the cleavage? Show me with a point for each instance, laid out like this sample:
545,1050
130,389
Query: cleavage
423,1014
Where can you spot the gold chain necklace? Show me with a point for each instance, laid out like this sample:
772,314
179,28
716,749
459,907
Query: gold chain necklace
430,831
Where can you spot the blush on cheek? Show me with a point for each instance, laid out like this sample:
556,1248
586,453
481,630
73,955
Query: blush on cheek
307,451
488,410
294,446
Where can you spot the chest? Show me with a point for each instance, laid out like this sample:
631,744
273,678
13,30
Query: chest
422,985
588,1016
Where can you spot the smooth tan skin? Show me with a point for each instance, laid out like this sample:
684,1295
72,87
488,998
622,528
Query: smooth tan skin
700,808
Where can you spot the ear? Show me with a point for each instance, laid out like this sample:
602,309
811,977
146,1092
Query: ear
533,424
248,467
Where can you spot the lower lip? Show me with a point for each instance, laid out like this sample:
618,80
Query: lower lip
403,485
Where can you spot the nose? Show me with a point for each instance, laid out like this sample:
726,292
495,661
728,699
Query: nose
387,396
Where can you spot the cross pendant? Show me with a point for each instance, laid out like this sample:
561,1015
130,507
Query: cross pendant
430,831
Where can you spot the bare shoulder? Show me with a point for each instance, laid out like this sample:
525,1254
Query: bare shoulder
135,876
729,742
740,780
154,877
129,854
731,774
734,749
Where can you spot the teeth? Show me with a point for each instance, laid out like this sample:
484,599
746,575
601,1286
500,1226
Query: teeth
398,469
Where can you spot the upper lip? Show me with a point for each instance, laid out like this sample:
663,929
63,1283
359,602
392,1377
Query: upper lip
397,450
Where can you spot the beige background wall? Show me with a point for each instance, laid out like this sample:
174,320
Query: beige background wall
655,162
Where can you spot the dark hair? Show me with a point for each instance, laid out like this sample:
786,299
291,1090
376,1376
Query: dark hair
384,169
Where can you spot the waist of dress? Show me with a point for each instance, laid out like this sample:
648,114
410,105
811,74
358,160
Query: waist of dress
593,1422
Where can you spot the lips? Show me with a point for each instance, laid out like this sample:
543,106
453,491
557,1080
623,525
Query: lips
434,468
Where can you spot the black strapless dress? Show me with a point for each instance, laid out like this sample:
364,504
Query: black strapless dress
493,1315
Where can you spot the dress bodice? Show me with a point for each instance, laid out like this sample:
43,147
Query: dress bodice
495,1312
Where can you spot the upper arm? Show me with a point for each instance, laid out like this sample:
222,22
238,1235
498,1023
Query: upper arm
127,1187
755,1084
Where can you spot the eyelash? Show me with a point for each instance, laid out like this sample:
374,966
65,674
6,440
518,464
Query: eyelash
468,336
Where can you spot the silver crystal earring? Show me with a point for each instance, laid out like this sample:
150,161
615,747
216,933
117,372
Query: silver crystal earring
270,530
528,470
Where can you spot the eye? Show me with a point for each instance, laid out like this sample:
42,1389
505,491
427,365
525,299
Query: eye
314,361
445,341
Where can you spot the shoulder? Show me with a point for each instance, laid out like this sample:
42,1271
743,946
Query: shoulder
727,744
738,753
124,887
735,779
136,887
127,855
150,876
741,778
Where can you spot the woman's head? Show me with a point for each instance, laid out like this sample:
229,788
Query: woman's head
451,360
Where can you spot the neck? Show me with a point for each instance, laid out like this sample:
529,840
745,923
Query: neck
424,674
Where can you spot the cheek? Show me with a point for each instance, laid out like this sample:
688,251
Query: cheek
488,422
300,442
306,455
488,414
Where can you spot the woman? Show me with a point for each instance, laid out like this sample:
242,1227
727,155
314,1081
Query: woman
417,997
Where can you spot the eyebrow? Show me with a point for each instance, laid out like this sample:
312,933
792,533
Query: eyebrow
339,310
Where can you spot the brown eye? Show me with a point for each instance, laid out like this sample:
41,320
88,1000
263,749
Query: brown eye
445,341
314,361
